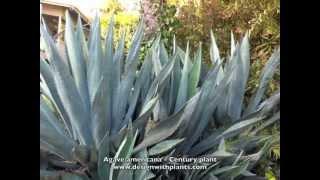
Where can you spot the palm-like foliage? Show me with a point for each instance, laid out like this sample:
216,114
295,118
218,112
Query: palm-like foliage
101,103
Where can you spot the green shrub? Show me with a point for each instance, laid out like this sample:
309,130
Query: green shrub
124,21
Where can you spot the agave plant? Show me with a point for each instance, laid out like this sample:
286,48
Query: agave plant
98,102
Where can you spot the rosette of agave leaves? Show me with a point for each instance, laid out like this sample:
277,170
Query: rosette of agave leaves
99,101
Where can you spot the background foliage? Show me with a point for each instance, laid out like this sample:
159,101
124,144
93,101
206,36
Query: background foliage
125,22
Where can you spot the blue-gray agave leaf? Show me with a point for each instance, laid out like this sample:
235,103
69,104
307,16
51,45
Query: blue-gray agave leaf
95,64
68,93
266,76
239,82
76,59
183,86
47,75
169,126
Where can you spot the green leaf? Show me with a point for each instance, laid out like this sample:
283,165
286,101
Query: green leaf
164,146
124,151
204,96
195,74
221,152
205,109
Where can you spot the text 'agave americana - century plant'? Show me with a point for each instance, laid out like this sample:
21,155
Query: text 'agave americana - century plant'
99,102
